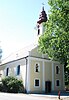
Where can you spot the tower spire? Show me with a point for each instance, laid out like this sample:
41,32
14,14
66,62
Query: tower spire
42,16
40,24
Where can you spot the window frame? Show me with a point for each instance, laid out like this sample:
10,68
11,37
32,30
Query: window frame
35,81
37,69
18,70
57,83
7,71
38,31
56,70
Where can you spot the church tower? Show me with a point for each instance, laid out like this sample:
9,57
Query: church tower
40,23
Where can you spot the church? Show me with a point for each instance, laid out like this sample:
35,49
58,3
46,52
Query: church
37,71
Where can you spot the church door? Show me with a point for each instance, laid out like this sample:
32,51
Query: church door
47,86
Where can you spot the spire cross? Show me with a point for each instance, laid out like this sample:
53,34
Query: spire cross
43,6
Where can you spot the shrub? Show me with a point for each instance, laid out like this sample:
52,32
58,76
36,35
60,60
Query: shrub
1,87
12,85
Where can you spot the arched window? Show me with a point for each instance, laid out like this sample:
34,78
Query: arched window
18,69
57,82
7,71
57,70
38,31
37,68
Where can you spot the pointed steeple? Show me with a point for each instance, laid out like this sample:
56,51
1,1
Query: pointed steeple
42,16
40,25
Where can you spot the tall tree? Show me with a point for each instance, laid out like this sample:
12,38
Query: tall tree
55,40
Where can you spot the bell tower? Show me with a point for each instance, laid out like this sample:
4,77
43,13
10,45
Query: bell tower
40,23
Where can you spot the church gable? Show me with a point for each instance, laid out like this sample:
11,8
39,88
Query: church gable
35,53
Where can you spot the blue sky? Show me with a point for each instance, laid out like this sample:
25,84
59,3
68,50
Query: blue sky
17,21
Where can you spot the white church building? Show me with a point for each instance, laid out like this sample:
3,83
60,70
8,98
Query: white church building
38,73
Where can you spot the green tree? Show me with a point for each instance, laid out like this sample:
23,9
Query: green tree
55,40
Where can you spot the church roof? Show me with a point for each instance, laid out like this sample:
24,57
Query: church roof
24,52
42,16
31,50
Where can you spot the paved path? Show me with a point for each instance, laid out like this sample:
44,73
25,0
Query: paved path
9,96
20,96
52,97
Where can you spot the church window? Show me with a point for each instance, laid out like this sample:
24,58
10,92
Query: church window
38,31
7,71
18,69
57,70
37,68
37,82
57,83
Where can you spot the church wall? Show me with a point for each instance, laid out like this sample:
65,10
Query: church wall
48,71
35,75
13,69
59,76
